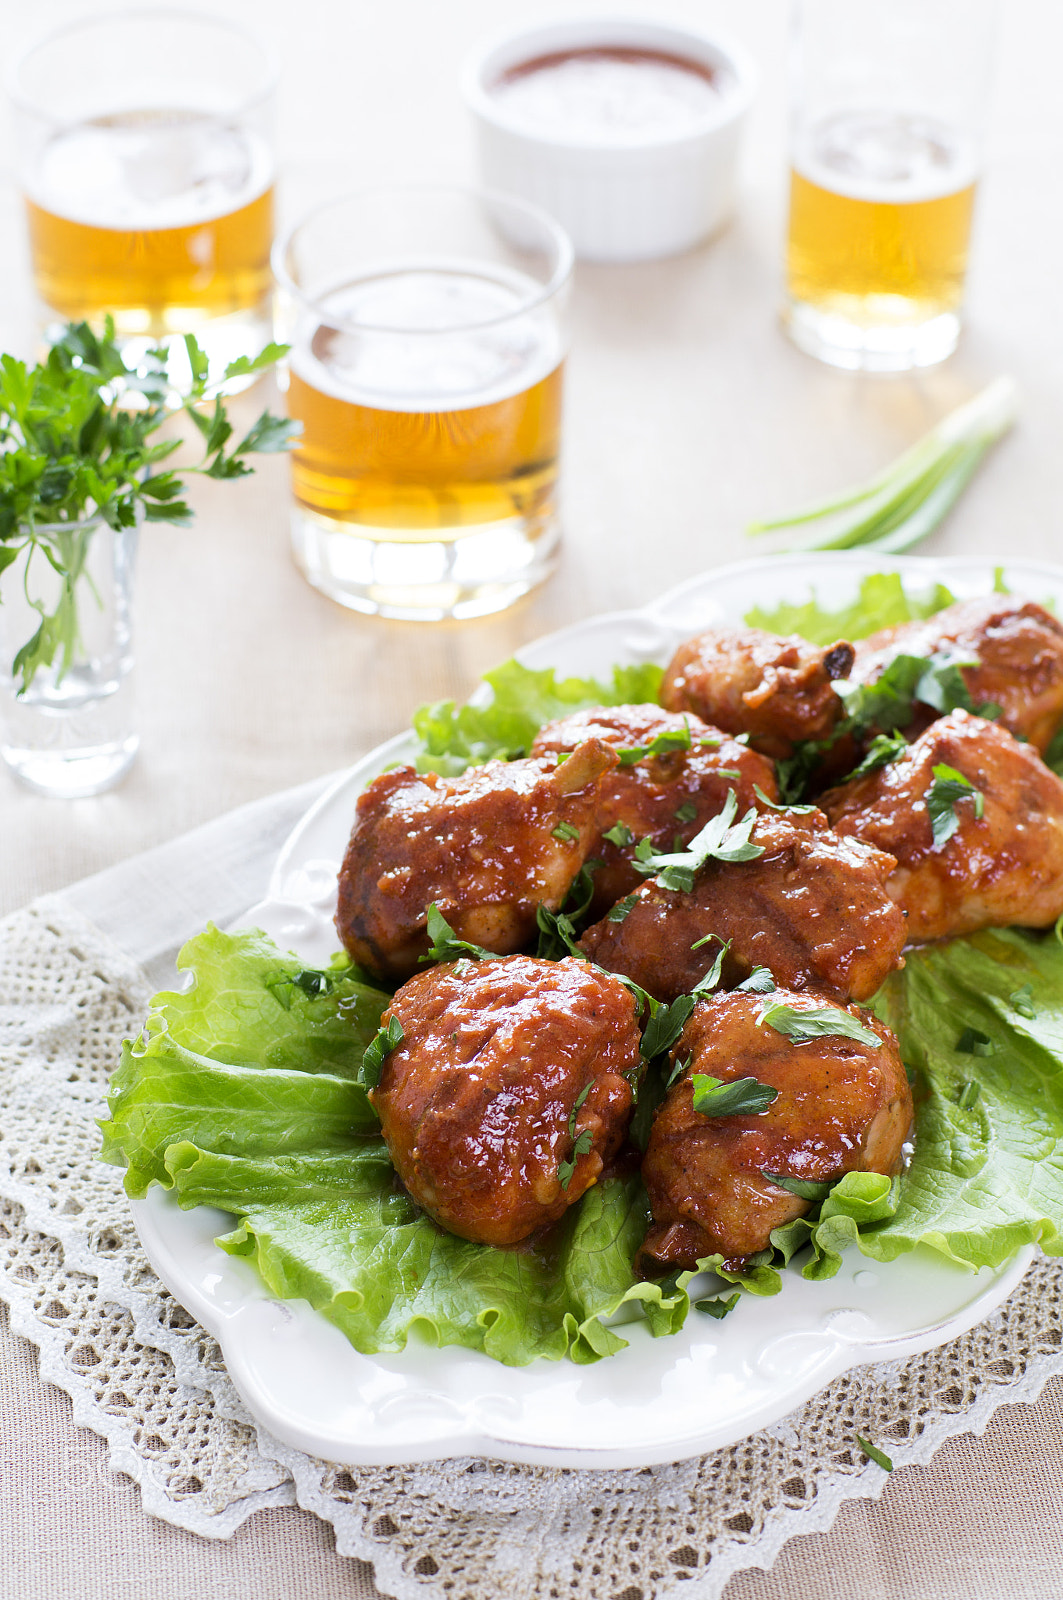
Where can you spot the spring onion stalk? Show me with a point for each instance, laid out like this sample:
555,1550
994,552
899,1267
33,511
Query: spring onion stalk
906,501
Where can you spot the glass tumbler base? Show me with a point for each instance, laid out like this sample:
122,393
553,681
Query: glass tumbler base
465,572
71,774
870,346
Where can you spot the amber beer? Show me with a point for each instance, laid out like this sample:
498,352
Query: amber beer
871,257
163,219
880,218
421,474
435,431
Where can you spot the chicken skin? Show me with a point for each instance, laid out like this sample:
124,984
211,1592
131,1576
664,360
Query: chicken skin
747,681
842,1106
1019,649
1003,867
511,1089
667,797
487,848
811,907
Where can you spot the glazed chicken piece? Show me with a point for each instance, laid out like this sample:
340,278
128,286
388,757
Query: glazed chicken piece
487,848
843,1106
1001,868
748,681
667,797
812,908
1019,648
505,1068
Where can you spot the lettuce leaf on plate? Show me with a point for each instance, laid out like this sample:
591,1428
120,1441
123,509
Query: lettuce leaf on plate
240,1094
980,1025
453,738
883,602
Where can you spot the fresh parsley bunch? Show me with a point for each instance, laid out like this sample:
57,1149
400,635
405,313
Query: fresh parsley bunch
77,442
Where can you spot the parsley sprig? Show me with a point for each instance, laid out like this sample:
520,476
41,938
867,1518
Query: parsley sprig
444,944
77,443
721,839
814,1022
945,793
880,708
734,1097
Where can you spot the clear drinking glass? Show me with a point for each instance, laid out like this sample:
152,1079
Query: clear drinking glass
428,330
144,144
889,108
71,732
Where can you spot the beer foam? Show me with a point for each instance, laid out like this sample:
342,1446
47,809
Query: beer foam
889,158
403,341
150,169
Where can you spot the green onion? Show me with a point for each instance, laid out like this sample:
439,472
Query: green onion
902,504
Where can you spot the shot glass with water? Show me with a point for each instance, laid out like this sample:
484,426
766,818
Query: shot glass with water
427,330
144,143
889,107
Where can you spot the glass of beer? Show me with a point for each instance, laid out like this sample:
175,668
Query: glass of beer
889,107
144,144
427,330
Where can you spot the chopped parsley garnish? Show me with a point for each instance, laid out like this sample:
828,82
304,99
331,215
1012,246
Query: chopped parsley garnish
760,981
873,1453
565,832
618,912
620,835
1022,1002
947,790
577,1106
577,901
885,705
794,773
308,981
798,811
687,812
817,1022
737,1097
721,839
803,1188
716,1306
1053,756
972,1042
557,935
660,744
444,944
377,1051
677,1072
727,772
968,1095
889,703
709,982
665,1025
565,1169
884,748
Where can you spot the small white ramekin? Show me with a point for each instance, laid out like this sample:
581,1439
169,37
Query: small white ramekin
630,202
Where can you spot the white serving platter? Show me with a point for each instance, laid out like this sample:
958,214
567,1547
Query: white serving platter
660,1399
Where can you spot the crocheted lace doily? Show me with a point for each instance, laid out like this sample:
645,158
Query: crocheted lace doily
143,1374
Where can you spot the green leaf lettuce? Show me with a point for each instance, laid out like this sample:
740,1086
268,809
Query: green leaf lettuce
237,1100
453,738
